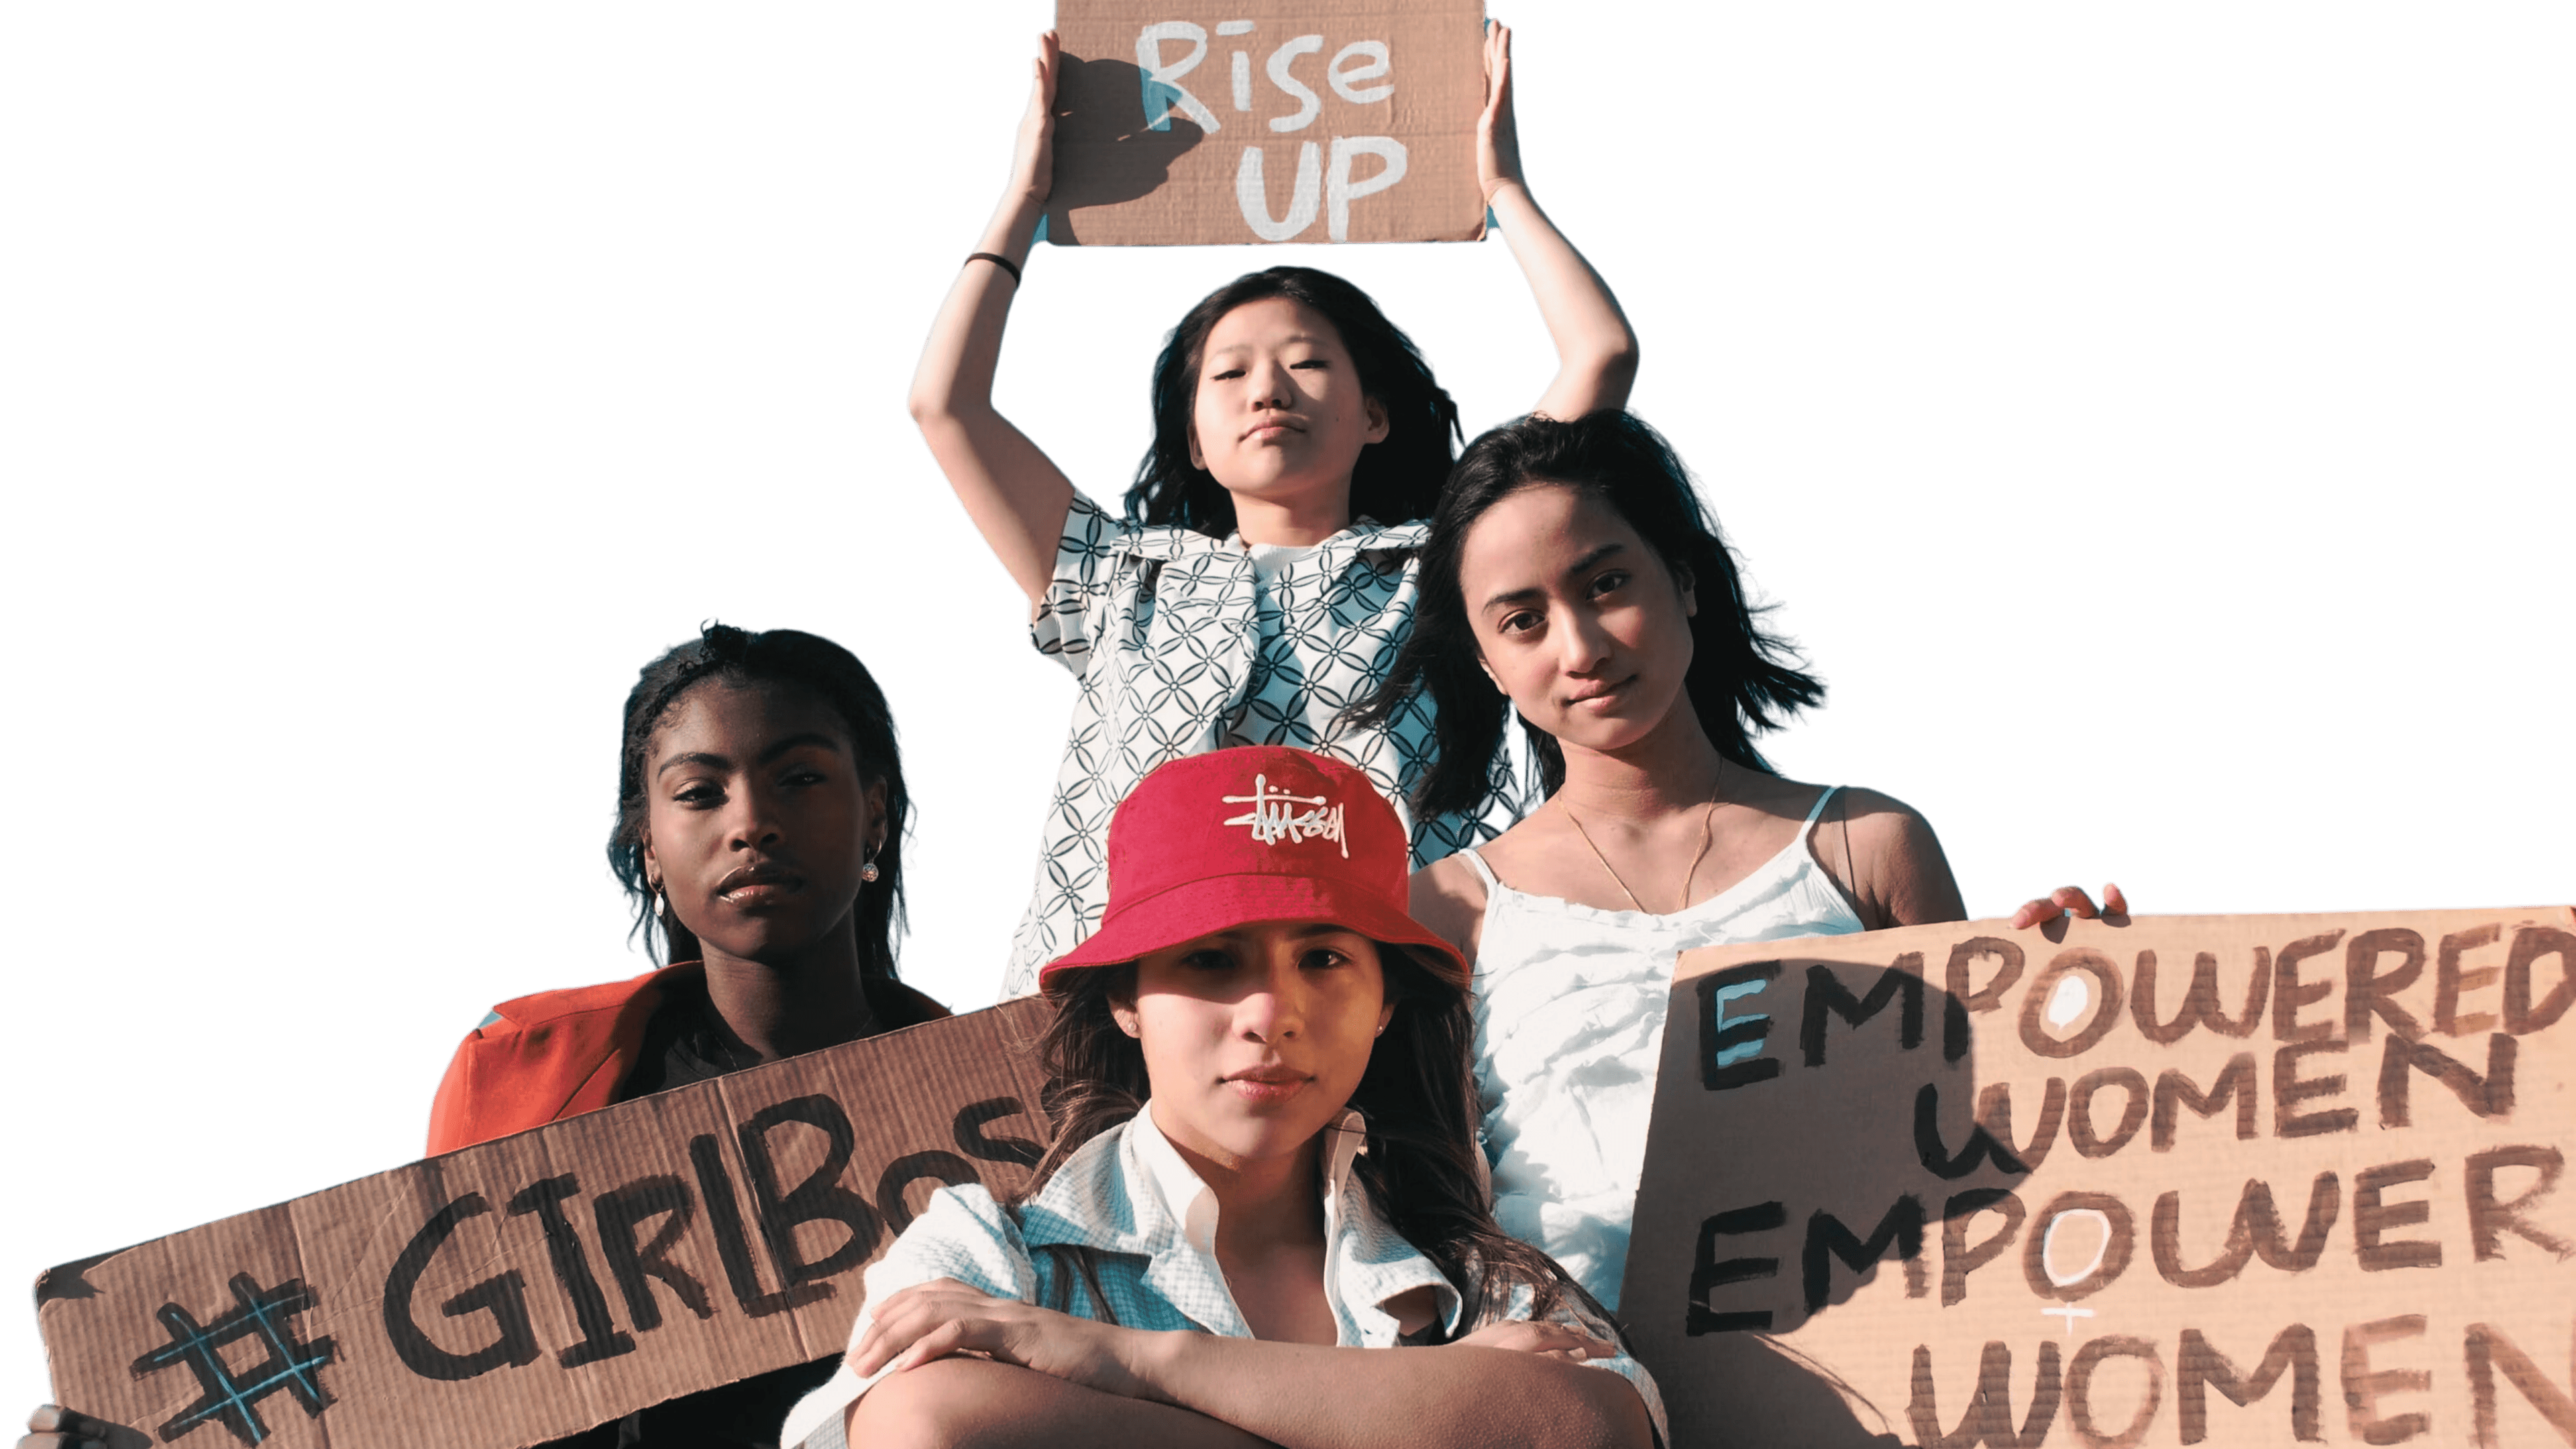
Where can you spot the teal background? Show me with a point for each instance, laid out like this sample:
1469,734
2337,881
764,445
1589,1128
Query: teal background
2153,423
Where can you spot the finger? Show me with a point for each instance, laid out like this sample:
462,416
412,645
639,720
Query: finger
2035,912
2114,903
55,1419
938,1343
2076,902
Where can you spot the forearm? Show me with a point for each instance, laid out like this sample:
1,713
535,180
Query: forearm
1595,348
1299,1395
1002,1406
1010,488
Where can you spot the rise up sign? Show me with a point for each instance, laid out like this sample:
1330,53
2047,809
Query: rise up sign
2246,1180
531,1287
1328,120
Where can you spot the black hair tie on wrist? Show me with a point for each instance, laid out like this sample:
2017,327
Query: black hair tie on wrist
1003,262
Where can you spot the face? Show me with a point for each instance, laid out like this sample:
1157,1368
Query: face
1577,618
1255,1038
758,821
1279,413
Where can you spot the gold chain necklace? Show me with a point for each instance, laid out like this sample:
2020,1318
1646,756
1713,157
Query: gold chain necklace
1707,830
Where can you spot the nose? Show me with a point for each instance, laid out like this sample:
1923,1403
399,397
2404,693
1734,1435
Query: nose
1274,1010
751,820
1582,644
1269,386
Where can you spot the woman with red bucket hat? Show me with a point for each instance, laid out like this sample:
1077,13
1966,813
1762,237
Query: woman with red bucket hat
1264,1165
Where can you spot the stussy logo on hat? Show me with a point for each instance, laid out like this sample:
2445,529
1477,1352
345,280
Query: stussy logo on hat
1273,816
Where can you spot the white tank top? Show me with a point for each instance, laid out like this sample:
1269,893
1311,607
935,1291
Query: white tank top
1570,1003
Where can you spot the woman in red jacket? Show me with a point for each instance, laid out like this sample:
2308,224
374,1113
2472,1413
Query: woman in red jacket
760,815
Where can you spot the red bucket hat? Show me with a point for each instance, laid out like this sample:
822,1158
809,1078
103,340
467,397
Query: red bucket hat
1210,842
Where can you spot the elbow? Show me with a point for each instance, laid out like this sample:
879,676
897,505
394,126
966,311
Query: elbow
1617,366
929,406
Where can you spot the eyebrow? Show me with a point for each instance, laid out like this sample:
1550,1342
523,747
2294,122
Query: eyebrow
1578,566
777,750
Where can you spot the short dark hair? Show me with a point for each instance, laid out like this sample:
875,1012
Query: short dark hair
789,659
1742,681
1396,481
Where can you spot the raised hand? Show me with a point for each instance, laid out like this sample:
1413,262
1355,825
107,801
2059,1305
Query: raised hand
1033,158
1498,140
2069,901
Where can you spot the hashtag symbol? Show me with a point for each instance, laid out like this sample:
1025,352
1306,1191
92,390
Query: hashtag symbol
232,1399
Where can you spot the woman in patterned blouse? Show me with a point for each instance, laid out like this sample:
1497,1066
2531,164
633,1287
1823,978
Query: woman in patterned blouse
1263,576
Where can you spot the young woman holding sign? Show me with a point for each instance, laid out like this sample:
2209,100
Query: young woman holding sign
1263,1174
760,819
1264,576
1572,577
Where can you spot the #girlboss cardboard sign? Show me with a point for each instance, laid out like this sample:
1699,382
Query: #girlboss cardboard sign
1328,120
2237,1180
532,1287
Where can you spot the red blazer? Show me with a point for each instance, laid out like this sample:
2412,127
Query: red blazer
559,1054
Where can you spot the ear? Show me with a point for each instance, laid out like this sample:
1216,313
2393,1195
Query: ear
1378,423
652,867
1689,590
1385,1014
876,800
1124,1013
1492,678
1198,459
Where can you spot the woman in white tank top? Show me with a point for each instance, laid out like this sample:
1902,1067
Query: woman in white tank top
1572,572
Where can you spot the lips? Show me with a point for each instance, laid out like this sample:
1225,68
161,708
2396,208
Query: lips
756,885
1595,693
1268,1085
1275,428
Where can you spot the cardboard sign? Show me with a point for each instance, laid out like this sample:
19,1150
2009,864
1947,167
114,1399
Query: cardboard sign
531,1287
2244,1180
1326,120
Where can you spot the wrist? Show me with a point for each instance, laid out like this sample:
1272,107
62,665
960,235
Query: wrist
1149,1359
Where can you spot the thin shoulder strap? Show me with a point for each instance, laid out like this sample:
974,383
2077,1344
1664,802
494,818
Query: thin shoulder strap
1819,812
1476,860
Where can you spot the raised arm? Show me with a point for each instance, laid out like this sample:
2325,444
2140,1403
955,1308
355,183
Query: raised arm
1015,493
1596,353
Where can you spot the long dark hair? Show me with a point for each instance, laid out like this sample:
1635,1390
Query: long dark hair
1396,480
1743,680
1420,1169
795,660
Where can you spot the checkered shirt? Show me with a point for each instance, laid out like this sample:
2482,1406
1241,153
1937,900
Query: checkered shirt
1157,1266
1181,649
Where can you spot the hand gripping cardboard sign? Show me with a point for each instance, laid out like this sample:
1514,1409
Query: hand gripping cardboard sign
531,1287
1325,120
2246,1180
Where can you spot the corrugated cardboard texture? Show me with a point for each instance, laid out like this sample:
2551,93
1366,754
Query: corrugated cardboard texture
531,1287
1330,120
2246,1180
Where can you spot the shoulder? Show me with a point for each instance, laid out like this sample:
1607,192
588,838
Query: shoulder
1449,898
1894,861
539,1057
897,1005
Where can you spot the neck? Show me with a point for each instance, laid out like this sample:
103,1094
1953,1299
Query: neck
785,1008
1292,522
1671,767
1265,1201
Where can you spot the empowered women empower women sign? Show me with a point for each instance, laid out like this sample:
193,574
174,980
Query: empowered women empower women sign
2249,1180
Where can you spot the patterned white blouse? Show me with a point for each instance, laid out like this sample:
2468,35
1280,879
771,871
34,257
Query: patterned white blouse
1183,646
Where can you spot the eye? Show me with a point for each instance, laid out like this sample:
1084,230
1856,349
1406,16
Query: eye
1311,362
699,796
1610,582
1209,958
802,775
1322,958
1226,375
1521,622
